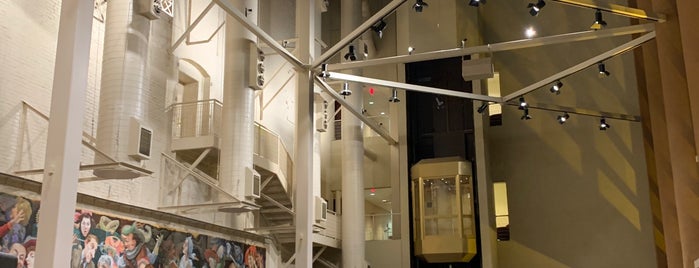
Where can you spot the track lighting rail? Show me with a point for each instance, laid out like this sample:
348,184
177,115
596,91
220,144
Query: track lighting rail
615,9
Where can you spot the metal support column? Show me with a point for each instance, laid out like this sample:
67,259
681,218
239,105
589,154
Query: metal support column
60,183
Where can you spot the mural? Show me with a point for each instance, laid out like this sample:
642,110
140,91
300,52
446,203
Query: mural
101,241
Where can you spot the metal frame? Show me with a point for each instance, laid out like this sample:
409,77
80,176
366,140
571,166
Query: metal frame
615,9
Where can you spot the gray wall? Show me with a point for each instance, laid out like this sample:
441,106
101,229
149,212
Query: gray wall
578,196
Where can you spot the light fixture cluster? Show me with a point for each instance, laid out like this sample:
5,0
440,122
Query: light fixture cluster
351,56
561,118
535,8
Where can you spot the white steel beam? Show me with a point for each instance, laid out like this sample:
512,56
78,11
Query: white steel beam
261,34
190,28
391,84
393,5
615,9
371,123
594,60
279,205
503,46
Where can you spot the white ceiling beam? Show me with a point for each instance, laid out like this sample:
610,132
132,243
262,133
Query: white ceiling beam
594,60
615,9
261,34
503,46
192,26
393,5
410,87
371,123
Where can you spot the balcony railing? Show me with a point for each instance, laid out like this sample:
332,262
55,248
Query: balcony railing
268,145
196,119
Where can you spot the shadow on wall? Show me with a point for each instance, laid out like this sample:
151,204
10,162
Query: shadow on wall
105,241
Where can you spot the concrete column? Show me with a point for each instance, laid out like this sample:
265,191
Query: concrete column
352,155
237,130
60,183
671,105
303,143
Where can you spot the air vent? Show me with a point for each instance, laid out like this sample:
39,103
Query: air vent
321,211
257,67
149,9
252,183
140,139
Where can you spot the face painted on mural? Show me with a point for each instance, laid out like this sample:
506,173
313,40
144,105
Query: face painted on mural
30,259
85,226
129,241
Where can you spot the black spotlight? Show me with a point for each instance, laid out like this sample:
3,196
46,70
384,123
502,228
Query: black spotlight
603,124
562,118
350,55
394,96
602,70
556,88
419,4
523,104
324,71
599,22
482,108
535,8
345,90
526,115
379,27
476,3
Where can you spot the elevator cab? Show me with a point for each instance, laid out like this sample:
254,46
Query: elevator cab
444,222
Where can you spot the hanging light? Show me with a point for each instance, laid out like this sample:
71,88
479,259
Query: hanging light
324,71
345,90
378,28
526,115
599,22
475,3
556,88
419,5
602,70
523,104
350,55
603,125
562,118
482,108
394,96
535,8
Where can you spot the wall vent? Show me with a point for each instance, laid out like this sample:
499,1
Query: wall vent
149,9
321,209
140,140
252,183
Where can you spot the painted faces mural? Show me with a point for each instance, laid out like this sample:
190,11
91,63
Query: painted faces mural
102,241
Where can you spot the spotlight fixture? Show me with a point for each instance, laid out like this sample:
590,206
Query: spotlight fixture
410,50
378,28
603,124
562,118
599,22
475,3
345,90
556,88
419,5
535,8
350,55
394,96
602,70
523,104
526,115
324,71
482,108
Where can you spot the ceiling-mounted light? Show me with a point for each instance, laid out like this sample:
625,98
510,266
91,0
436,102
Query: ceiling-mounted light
394,96
556,88
535,8
475,3
419,4
526,115
562,118
345,90
523,104
602,70
482,108
324,71
599,22
379,27
350,55
603,125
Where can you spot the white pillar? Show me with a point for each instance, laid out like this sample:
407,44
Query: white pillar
303,143
352,155
60,183
237,133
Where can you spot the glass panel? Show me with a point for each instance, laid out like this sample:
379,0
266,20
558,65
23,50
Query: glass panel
441,211
467,205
